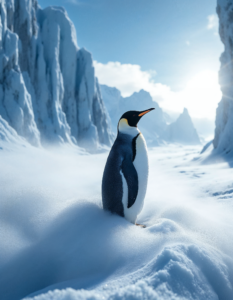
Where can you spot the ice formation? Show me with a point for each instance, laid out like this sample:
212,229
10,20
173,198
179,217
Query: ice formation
48,90
223,139
182,130
8,134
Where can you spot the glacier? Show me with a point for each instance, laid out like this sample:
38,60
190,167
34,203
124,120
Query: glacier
48,92
223,139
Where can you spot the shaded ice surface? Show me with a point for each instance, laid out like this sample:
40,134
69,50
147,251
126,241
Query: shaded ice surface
223,140
155,126
182,130
48,92
8,134
58,243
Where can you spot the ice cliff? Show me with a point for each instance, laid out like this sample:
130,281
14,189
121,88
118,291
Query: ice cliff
223,139
182,130
48,89
8,134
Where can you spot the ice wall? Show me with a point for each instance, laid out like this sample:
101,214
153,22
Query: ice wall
223,139
48,89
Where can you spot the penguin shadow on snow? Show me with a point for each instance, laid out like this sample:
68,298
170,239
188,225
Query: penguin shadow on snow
79,244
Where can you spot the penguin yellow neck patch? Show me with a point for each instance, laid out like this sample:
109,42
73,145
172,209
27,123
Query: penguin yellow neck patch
124,127
123,123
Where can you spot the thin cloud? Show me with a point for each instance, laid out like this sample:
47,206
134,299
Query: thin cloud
200,96
212,22
129,78
74,2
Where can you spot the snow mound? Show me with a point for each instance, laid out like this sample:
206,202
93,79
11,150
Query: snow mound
58,243
179,272
49,92
182,130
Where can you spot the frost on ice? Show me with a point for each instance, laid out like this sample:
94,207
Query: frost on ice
48,90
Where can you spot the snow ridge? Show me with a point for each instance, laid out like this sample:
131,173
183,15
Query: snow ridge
48,90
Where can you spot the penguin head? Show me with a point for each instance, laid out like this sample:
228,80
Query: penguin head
129,120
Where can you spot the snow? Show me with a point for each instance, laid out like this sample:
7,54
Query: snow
49,92
58,243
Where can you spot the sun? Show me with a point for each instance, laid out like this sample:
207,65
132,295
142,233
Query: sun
202,94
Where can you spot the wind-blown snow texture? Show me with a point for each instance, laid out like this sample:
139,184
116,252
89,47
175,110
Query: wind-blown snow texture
48,90
223,139
154,125
58,243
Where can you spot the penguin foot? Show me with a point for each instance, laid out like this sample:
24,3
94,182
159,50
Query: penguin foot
143,226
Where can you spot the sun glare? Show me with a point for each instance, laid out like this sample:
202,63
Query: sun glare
203,94
200,96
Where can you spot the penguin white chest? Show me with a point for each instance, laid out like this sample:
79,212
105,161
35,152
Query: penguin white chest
142,167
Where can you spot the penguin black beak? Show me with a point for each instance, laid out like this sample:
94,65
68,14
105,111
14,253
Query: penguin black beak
142,113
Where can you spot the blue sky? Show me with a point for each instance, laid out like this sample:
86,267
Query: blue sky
171,40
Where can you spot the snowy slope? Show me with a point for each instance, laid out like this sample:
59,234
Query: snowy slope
152,125
49,92
223,139
57,241
182,130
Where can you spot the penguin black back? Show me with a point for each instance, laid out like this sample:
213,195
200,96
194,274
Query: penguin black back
123,188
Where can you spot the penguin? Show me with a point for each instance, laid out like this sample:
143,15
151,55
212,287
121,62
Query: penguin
125,176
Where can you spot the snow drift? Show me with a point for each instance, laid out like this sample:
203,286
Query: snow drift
58,243
48,92
223,140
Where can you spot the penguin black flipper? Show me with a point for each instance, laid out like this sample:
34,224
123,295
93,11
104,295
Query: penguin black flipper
131,178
